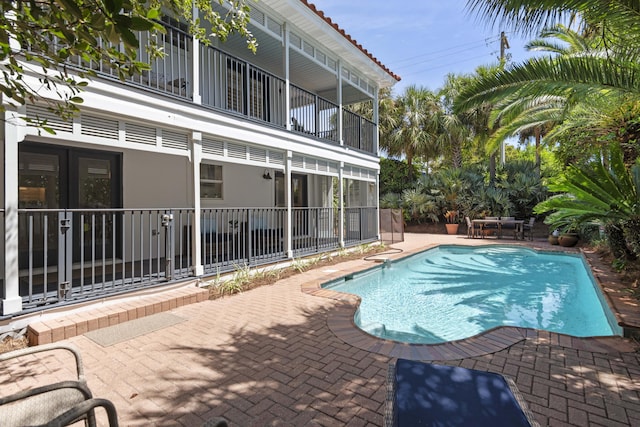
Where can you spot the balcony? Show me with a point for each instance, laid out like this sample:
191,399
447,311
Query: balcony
235,86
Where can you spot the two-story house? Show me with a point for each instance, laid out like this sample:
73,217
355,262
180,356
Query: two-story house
214,158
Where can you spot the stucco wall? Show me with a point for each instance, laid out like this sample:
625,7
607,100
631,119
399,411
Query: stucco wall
243,186
156,180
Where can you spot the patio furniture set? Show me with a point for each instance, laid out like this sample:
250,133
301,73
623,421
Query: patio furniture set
498,225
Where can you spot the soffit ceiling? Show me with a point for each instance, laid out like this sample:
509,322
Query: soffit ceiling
306,72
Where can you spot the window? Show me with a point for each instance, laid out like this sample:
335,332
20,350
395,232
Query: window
210,181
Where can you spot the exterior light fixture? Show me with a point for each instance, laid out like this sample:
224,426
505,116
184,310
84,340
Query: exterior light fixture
266,174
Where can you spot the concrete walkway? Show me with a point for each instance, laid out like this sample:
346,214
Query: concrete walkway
267,357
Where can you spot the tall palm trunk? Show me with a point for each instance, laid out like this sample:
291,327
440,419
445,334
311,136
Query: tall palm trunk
492,169
538,136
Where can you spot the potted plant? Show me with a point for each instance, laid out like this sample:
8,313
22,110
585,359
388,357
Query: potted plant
553,237
453,221
568,238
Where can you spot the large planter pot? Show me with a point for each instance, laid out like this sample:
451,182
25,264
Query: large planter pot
452,228
568,239
553,239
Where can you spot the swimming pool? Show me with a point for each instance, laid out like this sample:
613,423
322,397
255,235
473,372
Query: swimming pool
454,292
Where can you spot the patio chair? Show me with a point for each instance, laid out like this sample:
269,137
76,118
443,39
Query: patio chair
424,394
527,228
507,226
471,229
55,404
491,227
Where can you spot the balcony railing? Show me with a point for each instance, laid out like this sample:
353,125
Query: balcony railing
236,86
313,115
66,256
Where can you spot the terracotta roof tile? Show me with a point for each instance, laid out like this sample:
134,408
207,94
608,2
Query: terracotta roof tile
348,37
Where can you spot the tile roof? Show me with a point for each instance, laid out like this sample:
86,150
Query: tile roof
348,37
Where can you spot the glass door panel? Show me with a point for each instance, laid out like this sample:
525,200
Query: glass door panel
39,181
95,185
39,187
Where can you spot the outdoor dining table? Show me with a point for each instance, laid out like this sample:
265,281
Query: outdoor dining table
518,226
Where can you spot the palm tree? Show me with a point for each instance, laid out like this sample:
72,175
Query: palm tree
534,116
459,128
613,66
455,129
410,125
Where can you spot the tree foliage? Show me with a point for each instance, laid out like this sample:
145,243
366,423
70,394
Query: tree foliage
47,33
604,192
411,124
467,190
393,176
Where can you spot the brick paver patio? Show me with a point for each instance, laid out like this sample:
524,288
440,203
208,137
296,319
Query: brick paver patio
267,357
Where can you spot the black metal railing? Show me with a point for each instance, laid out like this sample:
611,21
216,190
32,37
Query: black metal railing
233,237
237,86
170,73
314,230
65,256
73,254
313,115
360,225
358,132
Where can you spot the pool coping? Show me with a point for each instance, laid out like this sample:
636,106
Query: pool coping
340,318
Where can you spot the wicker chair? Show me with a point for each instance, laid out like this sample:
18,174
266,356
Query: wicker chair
55,404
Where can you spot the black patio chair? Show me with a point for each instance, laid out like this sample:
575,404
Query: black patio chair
527,228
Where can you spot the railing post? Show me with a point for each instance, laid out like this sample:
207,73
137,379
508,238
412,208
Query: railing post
316,125
247,90
249,236
169,244
65,253
317,228
360,133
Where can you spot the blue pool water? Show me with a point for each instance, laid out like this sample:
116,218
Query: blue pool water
454,292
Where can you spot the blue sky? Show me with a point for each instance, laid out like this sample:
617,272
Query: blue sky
421,40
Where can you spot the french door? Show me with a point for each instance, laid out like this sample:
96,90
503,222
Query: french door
54,177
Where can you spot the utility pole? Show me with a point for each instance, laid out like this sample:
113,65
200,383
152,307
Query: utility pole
504,45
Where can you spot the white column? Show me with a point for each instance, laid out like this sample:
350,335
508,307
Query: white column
288,198
287,87
378,205
195,63
339,97
376,120
196,237
341,204
13,133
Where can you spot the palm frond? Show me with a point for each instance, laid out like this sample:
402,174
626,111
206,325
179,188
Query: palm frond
562,76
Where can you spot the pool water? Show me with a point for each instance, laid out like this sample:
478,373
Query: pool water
455,292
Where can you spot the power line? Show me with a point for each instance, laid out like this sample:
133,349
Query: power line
451,53
485,41
424,70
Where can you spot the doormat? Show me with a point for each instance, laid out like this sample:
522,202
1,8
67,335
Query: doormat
133,328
